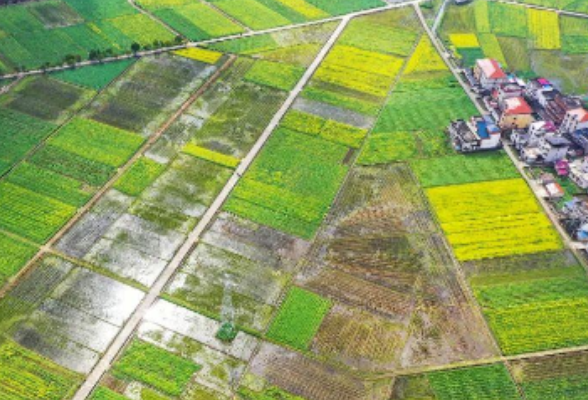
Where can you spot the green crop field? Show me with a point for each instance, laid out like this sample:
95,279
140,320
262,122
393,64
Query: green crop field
292,183
276,75
31,214
19,134
13,256
333,131
198,21
75,166
139,176
455,170
265,196
532,302
383,147
483,383
153,366
50,184
95,77
25,375
97,142
298,319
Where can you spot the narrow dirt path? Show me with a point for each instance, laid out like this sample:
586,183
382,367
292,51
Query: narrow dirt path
47,247
158,287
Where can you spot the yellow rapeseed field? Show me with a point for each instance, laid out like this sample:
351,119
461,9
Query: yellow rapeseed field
544,29
464,40
425,58
210,155
198,54
362,60
304,8
493,219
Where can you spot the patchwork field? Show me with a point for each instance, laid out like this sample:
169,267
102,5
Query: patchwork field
522,39
531,301
356,257
296,46
559,377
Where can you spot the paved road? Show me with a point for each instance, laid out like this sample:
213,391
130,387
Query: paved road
47,248
440,14
571,244
131,325
532,184
212,41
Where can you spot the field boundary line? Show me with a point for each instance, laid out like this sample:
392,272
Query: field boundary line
230,17
80,212
155,19
462,280
543,8
24,270
210,41
130,326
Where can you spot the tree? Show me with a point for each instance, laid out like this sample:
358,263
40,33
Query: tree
178,39
135,47
70,59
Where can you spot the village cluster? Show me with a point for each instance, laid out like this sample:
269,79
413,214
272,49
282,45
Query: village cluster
547,128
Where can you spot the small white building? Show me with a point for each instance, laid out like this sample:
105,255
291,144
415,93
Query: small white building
475,134
579,172
540,143
554,190
575,120
489,73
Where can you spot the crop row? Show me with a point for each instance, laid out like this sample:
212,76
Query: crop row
492,219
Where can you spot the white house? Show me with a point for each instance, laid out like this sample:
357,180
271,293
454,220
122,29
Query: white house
489,73
575,120
475,134
579,173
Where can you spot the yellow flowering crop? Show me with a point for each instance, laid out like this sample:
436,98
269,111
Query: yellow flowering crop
425,58
544,29
210,155
493,219
464,40
304,8
198,54
362,60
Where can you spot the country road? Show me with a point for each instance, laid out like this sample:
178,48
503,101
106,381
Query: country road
155,291
211,41
125,334
568,242
532,184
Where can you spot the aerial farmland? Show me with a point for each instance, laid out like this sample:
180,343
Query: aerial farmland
293,199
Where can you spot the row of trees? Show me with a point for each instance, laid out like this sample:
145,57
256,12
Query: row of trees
100,54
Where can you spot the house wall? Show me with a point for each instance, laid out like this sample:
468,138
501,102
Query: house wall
520,121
